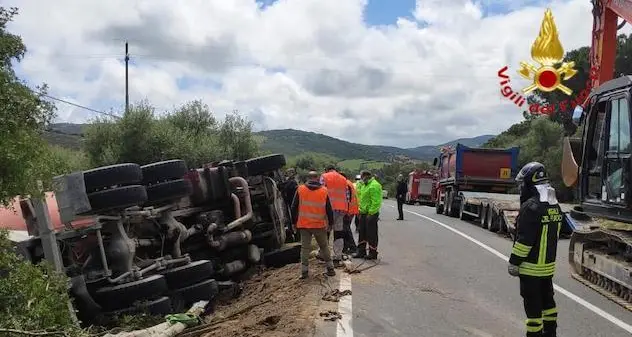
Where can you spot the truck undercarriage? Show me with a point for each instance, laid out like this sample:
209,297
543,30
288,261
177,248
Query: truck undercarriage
159,237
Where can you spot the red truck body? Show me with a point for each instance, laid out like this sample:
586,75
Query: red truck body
479,169
422,187
473,169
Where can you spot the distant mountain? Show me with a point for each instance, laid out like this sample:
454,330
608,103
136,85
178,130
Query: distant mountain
294,142
431,151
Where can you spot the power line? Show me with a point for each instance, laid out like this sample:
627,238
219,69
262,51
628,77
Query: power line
78,105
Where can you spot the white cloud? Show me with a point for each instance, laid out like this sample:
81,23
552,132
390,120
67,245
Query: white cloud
408,84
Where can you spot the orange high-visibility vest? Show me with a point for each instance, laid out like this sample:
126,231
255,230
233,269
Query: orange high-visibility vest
353,202
312,208
337,186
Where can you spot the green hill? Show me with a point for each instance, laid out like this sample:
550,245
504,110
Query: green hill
295,142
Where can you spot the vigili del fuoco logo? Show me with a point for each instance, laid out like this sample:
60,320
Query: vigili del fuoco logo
548,75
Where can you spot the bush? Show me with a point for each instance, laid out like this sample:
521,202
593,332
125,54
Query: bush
190,133
32,297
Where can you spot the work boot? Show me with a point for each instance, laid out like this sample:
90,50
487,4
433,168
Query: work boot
304,274
338,264
359,254
372,255
399,218
330,271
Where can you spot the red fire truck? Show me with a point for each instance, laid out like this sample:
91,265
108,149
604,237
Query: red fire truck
422,188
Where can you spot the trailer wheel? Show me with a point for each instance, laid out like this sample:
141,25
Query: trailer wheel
164,171
123,295
117,198
112,175
482,216
462,215
493,220
168,190
261,165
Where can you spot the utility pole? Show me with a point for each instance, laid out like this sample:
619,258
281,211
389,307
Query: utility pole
126,77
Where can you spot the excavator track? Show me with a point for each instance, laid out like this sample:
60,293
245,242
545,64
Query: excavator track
602,260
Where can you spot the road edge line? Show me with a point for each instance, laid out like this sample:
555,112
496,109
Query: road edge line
570,295
344,327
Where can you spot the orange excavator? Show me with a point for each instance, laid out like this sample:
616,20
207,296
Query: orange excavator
599,164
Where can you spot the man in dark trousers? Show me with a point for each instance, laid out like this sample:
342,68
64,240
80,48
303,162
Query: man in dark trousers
402,189
535,247
370,203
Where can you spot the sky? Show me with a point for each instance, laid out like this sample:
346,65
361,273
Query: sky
384,72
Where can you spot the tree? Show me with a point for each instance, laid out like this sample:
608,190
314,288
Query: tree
24,114
190,132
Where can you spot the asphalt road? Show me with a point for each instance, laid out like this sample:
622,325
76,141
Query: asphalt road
434,282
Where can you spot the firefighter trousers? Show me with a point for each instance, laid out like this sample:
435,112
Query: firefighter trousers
539,305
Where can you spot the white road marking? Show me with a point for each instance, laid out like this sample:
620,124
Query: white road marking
345,308
579,300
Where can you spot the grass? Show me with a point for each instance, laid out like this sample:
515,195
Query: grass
355,165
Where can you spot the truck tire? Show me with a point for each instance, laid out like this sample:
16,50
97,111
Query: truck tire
117,198
164,171
454,207
112,175
438,207
188,274
168,190
290,253
260,165
183,297
462,215
158,307
121,296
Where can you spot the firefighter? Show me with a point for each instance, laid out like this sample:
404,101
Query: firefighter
312,214
535,247
337,190
402,189
370,204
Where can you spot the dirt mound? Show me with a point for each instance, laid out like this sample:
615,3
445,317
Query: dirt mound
274,303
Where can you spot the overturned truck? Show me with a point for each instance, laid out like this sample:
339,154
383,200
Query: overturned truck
157,237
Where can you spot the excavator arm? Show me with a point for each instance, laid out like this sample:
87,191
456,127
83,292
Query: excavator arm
604,36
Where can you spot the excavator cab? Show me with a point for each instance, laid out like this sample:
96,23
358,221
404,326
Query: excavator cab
599,163
604,149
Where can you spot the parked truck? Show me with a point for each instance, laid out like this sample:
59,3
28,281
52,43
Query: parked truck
422,188
474,184
155,237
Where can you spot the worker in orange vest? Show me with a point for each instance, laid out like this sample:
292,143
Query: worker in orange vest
352,210
311,215
337,189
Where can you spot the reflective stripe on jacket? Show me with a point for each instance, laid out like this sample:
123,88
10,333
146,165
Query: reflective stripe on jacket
337,186
312,207
535,248
371,197
353,200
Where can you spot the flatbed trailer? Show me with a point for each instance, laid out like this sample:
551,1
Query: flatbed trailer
497,212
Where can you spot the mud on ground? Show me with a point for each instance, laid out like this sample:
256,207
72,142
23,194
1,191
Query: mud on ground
274,303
